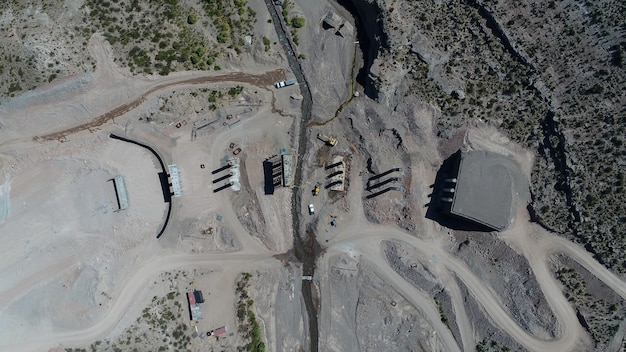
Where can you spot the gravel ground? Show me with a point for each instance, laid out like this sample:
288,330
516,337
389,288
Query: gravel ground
386,321
403,260
508,274
484,327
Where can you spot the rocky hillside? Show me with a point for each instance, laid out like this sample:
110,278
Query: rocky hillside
549,74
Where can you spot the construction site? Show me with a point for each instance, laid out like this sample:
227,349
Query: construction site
267,177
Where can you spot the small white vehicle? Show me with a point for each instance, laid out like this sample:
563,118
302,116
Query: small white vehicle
289,82
311,209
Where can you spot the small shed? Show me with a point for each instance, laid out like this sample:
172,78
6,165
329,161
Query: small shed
218,331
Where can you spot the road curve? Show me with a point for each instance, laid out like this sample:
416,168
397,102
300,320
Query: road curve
555,245
131,287
368,239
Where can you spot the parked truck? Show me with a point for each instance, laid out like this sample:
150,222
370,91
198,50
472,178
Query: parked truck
285,83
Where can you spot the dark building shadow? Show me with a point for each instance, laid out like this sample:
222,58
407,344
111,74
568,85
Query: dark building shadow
438,210
268,177
117,195
165,187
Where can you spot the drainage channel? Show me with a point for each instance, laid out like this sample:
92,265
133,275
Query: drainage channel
306,254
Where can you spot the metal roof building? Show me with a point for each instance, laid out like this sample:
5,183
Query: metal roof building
288,160
194,308
481,188
120,192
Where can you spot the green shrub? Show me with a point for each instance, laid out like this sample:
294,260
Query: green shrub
266,42
256,332
223,37
235,91
192,18
297,22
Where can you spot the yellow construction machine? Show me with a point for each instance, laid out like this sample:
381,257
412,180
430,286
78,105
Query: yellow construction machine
316,190
330,141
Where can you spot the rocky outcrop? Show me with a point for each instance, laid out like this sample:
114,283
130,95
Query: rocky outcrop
372,39
498,30
422,46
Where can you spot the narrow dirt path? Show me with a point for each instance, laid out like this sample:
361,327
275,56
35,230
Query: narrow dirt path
261,80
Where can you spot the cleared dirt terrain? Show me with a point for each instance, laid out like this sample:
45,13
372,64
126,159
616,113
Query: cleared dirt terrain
368,270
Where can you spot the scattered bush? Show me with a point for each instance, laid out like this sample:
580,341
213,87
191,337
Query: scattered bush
235,91
266,43
297,22
192,18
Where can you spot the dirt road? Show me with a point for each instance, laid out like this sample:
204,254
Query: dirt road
356,236
537,246
92,103
132,287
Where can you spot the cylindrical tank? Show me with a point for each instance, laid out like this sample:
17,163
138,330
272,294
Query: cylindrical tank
448,190
446,199
451,180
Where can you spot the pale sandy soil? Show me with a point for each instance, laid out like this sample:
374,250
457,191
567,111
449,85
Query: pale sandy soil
74,269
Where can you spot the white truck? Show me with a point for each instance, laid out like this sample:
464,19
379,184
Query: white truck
285,83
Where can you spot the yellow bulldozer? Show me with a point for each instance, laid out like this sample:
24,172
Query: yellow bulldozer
330,141
316,190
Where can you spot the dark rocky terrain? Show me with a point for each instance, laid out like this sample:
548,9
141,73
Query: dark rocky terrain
548,75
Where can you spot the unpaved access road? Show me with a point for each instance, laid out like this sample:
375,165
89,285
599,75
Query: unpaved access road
93,108
538,245
261,80
90,100
133,286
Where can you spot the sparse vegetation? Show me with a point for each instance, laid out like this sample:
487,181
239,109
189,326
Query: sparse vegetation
162,38
26,61
600,317
576,189
444,317
248,323
162,325
266,43
297,22
490,346
234,91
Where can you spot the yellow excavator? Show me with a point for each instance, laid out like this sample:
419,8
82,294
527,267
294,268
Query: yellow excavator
330,141
316,190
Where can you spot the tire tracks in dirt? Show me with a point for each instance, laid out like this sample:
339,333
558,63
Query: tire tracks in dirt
261,80
367,240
